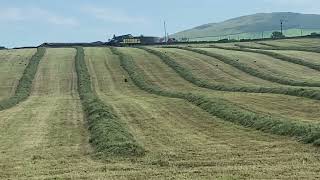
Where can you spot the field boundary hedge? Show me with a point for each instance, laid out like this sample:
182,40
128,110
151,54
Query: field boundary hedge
225,110
109,135
275,55
250,70
24,86
186,74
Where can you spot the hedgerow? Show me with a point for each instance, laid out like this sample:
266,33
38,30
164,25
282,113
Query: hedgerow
252,71
275,55
23,88
223,109
187,75
109,135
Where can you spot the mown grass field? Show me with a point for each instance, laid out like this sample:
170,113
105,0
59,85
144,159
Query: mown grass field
12,64
304,43
270,65
160,132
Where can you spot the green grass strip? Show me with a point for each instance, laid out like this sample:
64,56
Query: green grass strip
24,86
109,135
276,56
223,109
250,70
187,75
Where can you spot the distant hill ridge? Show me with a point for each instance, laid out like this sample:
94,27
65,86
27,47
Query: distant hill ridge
261,24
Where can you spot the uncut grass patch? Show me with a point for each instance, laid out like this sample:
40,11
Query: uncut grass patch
109,135
308,133
252,71
187,75
23,88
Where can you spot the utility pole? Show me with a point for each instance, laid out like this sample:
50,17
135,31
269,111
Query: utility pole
262,34
165,31
281,23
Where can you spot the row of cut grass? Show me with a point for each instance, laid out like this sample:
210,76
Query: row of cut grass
274,47
172,130
226,110
251,70
276,105
109,135
12,65
23,88
274,55
303,43
187,75
213,70
269,65
266,44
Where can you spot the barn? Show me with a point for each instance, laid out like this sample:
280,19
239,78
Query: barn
129,39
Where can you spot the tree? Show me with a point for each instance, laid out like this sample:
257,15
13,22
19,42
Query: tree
277,35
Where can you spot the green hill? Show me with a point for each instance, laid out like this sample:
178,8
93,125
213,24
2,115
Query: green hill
255,26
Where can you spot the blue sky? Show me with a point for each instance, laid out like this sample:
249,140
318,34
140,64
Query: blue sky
32,22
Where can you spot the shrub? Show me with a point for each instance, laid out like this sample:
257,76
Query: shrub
315,34
277,35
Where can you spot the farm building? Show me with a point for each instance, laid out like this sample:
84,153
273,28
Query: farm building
98,43
149,40
129,39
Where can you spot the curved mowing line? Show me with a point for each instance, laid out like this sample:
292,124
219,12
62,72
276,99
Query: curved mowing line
254,47
274,47
307,133
276,56
186,74
265,44
23,88
109,135
250,70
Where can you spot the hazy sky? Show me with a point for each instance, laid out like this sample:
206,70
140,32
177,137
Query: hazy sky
31,22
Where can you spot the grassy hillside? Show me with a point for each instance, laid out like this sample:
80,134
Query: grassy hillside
153,95
254,26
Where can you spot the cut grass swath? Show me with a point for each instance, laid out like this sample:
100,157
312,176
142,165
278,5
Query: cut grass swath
308,133
266,44
251,70
187,75
109,135
23,88
274,47
276,56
